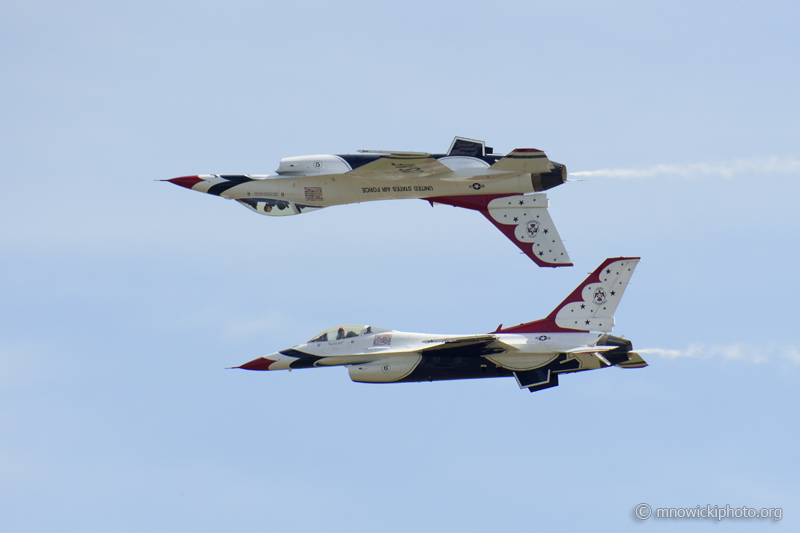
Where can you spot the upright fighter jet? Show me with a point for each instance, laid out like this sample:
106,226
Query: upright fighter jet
574,337
469,175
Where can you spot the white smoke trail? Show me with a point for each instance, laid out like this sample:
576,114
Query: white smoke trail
761,166
733,352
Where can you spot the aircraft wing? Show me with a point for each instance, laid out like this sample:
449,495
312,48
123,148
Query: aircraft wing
467,345
396,166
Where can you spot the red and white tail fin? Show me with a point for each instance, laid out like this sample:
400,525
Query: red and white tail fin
525,220
591,306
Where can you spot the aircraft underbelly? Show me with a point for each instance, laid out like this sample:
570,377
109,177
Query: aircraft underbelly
521,361
437,368
442,368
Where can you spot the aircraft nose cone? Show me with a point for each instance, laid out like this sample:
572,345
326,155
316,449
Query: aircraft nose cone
186,181
262,363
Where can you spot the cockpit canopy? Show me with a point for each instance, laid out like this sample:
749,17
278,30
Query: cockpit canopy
346,331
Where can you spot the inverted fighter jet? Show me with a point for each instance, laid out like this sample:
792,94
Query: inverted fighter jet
469,175
573,338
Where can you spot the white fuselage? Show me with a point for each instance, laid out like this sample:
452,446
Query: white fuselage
301,182
497,186
574,337
526,351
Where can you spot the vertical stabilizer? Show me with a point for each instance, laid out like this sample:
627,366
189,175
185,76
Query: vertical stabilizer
591,306
526,221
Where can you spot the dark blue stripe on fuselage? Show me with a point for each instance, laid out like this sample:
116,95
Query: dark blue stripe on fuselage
233,181
358,160
304,360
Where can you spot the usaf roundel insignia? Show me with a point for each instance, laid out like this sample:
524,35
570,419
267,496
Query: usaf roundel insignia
532,228
599,296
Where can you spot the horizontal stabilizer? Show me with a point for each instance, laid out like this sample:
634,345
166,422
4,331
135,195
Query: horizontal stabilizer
592,349
524,160
635,361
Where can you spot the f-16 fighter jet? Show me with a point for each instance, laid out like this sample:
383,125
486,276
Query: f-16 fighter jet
469,175
573,338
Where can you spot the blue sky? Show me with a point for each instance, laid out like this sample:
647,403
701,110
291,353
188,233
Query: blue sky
123,299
